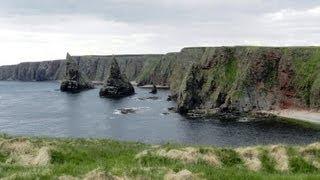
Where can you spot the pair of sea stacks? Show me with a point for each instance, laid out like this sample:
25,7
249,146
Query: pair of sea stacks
117,84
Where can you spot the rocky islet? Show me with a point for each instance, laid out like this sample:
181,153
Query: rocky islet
74,80
117,85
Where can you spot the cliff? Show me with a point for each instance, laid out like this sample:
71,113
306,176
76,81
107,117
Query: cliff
214,79
95,67
171,68
246,79
33,71
239,79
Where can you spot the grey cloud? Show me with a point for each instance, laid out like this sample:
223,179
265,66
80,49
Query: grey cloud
148,11
53,27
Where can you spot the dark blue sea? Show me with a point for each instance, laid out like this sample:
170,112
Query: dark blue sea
40,109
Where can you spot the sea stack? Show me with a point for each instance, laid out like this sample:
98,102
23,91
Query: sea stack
117,84
74,80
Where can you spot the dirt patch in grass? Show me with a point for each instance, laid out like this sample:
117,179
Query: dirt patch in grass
181,175
315,146
280,157
311,154
187,155
23,152
19,146
68,178
96,174
251,158
100,175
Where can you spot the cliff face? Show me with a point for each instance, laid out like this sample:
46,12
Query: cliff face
95,67
171,68
33,71
243,79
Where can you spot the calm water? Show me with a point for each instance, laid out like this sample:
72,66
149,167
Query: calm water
34,108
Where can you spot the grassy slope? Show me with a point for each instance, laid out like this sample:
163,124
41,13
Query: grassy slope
77,157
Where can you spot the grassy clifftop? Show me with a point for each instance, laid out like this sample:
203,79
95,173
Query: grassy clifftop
31,158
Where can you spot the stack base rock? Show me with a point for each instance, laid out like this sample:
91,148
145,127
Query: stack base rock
74,80
117,85
74,86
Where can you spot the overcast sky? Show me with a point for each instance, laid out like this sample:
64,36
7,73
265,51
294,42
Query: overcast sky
36,30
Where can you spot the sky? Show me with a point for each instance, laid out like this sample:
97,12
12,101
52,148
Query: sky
37,30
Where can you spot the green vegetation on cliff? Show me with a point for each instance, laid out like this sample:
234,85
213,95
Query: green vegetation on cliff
307,79
245,79
171,69
44,158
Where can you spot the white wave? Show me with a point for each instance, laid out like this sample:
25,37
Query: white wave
142,108
136,109
116,112
244,120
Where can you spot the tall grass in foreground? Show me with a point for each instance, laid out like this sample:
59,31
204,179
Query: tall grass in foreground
77,157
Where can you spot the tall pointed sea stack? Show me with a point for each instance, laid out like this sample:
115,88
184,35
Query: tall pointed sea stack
117,84
74,80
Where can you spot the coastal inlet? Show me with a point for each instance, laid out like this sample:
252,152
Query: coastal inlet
40,109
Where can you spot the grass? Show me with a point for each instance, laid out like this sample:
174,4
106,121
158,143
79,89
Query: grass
298,164
306,74
231,71
77,157
268,163
229,157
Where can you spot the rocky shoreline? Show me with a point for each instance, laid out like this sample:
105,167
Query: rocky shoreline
301,115
205,81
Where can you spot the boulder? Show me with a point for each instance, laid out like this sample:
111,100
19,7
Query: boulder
154,89
127,110
117,84
74,80
172,97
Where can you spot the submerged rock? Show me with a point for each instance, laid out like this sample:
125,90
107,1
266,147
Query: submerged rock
154,89
127,110
172,109
151,98
74,80
117,84
172,97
